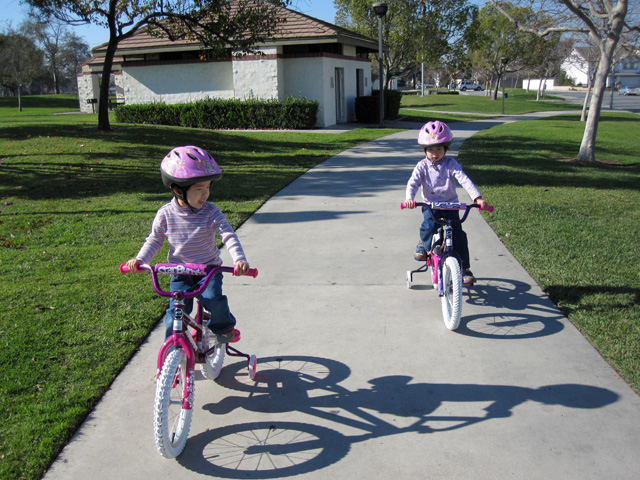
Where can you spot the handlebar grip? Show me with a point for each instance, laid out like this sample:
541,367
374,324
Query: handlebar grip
403,206
252,272
124,269
488,208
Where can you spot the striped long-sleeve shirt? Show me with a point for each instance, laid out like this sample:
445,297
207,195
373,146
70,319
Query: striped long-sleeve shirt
438,181
191,235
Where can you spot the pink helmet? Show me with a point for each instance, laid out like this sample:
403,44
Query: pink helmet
434,134
184,166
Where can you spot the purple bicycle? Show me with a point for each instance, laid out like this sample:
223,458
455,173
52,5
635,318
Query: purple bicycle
444,263
191,342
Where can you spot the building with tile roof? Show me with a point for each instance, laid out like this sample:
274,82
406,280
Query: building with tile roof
308,58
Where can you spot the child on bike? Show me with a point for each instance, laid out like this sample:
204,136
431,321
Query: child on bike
437,175
189,224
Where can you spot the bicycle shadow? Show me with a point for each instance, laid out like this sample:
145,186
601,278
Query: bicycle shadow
521,314
390,405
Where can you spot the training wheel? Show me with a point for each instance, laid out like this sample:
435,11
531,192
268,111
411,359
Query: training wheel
408,278
252,366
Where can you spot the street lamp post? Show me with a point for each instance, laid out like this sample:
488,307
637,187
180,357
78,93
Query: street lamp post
380,9
504,61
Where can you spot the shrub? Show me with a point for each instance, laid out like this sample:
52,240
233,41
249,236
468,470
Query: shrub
368,108
216,114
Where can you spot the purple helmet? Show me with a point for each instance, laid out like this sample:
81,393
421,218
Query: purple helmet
434,134
184,166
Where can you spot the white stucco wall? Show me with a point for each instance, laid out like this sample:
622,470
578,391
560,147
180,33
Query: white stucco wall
314,79
88,87
259,77
303,78
180,83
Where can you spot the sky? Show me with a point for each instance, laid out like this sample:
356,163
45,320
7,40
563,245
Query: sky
12,13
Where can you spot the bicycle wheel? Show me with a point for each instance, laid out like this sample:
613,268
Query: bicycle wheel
213,363
171,421
452,298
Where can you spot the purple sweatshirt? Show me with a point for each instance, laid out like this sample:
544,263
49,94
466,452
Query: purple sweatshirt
191,236
438,181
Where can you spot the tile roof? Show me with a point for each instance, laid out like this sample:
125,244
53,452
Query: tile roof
297,27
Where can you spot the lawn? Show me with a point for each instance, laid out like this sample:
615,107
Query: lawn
574,227
76,202
517,102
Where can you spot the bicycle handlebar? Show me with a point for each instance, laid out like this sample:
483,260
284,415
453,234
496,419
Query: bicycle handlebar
186,269
450,206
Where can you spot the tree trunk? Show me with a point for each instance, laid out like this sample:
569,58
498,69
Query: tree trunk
103,102
588,146
498,82
583,117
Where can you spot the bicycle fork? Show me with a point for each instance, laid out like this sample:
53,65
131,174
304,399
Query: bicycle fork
177,340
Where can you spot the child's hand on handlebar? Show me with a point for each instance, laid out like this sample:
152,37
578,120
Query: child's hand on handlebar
132,264
410,203
241,268
483,203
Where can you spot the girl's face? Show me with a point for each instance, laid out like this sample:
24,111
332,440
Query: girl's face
197,194
435,154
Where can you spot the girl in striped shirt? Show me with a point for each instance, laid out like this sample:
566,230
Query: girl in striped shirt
189,224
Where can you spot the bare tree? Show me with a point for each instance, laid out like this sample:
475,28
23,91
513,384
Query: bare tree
73,54
606,22
219,25
48,35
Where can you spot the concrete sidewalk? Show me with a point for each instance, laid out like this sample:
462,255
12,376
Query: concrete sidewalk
358,376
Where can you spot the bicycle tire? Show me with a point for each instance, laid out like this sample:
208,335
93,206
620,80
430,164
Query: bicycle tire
452,289
213,363
171,421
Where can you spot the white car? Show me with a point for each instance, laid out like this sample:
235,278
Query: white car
462,86
628,91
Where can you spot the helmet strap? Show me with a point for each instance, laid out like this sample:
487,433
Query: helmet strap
181,194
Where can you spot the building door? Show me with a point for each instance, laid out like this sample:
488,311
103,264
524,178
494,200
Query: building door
360,82
341,108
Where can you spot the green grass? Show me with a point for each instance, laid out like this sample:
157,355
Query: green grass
574,227
75,203
518,102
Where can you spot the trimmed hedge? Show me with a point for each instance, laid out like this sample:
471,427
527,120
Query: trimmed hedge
221,114
368,108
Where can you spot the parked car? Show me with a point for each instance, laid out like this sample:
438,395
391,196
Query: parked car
426,85
628,91
462,86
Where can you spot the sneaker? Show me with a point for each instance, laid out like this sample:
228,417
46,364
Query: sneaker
226,337
468,278
420,254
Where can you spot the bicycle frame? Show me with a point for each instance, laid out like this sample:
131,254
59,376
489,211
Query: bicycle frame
181,336
436,260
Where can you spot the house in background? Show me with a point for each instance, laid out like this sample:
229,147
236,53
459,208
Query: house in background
627,71
583,61
308,58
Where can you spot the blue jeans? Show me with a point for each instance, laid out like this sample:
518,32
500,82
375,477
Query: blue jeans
460,243
212,299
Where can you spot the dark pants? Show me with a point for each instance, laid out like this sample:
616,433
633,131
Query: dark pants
429,227
211,299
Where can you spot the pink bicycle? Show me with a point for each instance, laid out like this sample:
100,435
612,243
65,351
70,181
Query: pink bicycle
191,342
445,265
